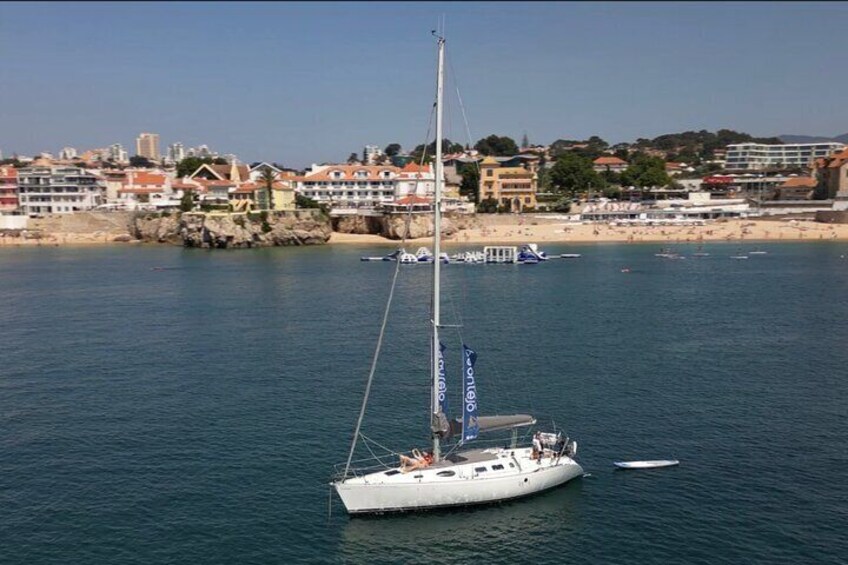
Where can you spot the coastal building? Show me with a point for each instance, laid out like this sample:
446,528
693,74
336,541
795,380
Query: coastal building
8,189
147,145
609,163
145,189
832,176
254,195
176,152
761,157
232,172
52,190
512,187
796,188
418,180
67,154
371,154
118,154
349,186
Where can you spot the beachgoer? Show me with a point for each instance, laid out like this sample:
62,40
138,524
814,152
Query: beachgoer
537,446
417,461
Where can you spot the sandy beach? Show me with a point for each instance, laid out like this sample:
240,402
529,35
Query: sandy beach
528,230
508,229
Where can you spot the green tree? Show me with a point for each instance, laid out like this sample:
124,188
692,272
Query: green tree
267,179
139,161
525,142
645,171
488,206
497,146
429,151
190,164
543,181
470,185
187,201
392,149
353,158
572,173
301,201
219,161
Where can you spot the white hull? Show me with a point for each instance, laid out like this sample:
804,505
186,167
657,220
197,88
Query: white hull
426,489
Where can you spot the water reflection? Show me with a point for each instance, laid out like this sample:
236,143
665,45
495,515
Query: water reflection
510,531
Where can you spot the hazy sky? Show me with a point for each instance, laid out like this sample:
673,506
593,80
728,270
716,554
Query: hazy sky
303,83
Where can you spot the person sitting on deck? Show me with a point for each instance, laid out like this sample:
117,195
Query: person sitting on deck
537,446
417,461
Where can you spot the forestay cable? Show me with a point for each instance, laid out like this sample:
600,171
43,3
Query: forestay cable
386,314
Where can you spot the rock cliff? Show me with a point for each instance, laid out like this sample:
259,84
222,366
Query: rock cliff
393,226
223,230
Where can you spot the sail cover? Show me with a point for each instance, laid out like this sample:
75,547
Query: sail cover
470,425
495,423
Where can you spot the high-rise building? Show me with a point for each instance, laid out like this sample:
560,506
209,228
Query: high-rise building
176,152
370,154
118,154
67,153
147,145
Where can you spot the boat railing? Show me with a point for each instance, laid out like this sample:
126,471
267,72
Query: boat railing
391,460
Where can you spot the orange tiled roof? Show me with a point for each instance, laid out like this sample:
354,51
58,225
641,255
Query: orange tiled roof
609,161
145,177
800,182
415,168
412,199
349,172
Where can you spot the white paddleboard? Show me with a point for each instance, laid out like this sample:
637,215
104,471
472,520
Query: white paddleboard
646,464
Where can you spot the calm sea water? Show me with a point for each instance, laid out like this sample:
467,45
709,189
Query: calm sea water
193,413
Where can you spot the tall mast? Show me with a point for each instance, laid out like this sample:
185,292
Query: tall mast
437,232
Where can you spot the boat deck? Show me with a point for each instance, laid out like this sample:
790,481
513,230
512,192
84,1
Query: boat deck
471,456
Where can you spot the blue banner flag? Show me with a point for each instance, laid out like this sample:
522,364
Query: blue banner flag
443,387
470,429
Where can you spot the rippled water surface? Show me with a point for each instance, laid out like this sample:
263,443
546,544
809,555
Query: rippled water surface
162,405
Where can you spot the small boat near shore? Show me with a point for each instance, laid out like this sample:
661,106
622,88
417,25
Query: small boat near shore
570,256
646,464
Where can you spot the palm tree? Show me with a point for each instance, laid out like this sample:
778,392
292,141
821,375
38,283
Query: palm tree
268,179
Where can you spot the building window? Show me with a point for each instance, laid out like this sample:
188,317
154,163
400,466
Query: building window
489,172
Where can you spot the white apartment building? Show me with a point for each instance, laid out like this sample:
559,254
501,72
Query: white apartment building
67,153
52,190
365,186
118,154
416,179
349,186
758,156
176,152
370,154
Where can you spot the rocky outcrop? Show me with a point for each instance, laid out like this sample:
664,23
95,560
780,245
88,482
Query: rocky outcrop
832,217
158,228
226,230
358,224
394,226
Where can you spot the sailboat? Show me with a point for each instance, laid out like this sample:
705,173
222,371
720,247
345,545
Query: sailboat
455,472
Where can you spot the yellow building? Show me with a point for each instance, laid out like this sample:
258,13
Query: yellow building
510,186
